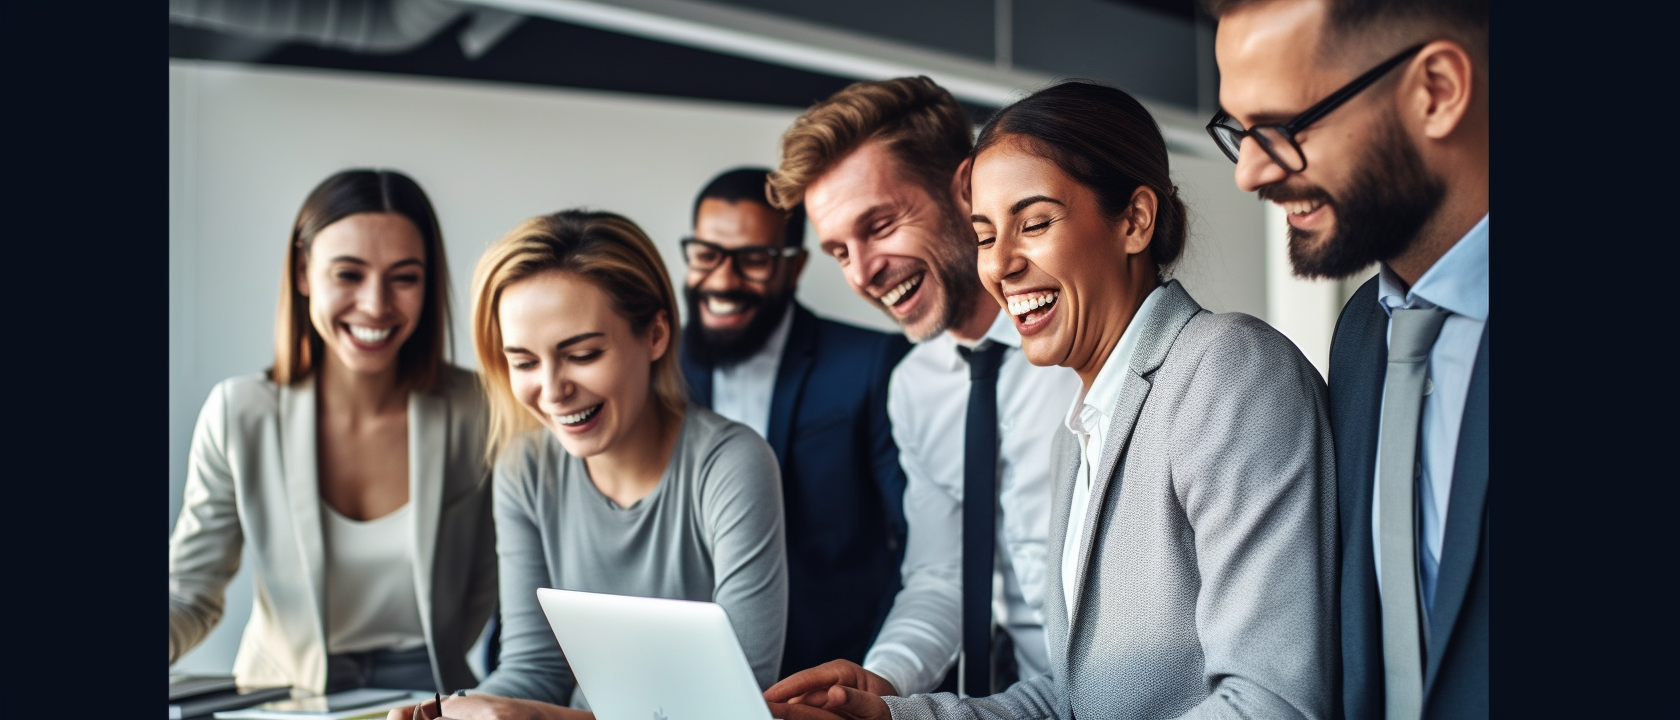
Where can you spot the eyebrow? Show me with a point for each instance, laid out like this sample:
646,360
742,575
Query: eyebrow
563,344
1020,205
1261,118
873,213
353,260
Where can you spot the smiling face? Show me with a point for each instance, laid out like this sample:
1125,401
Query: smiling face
575,363
737,314
1365,192
898,247
1069,277
365,277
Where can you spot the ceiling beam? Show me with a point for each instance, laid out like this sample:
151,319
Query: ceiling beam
775,39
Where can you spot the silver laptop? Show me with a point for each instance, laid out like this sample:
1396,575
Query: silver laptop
639,658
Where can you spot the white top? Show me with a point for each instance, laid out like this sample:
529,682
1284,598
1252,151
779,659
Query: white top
1457,283
1088,420
742,392
927,401
371,601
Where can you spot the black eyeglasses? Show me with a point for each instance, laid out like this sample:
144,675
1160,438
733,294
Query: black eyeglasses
754,262
1279,140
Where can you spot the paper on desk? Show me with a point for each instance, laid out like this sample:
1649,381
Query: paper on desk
375,710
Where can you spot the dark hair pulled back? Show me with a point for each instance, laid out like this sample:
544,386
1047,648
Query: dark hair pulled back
1105,139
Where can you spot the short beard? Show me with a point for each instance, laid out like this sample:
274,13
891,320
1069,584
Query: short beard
1392,196
955,268
728,347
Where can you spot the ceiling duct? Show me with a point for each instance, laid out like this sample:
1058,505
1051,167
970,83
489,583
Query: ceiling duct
363,26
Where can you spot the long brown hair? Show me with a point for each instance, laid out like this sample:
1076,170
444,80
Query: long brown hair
297,346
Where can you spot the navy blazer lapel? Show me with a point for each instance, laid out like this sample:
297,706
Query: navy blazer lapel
1172,311
790,378
697,370
1358,363
1466,508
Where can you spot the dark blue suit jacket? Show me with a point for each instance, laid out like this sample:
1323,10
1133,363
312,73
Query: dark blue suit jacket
842,487
1456,645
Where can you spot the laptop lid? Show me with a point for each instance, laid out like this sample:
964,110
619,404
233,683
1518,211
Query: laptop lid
640,658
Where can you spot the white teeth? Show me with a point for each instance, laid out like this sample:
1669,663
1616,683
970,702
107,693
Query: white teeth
1299,207
1023,304
722,307
369,335
892,296
578,417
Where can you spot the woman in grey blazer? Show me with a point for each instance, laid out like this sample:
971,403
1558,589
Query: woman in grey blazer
354,467
1194,509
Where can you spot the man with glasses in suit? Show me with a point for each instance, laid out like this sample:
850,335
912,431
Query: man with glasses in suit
816,390
1366,121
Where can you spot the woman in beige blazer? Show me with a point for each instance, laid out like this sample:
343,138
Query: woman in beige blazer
1193,526
355,467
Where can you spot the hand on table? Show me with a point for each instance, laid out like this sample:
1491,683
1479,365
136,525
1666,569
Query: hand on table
488,707
835,689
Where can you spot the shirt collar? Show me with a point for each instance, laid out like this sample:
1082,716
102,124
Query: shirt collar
1002,331
1105,389
1458,282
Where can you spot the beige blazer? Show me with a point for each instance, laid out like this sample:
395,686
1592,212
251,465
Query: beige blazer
251,477
1206,584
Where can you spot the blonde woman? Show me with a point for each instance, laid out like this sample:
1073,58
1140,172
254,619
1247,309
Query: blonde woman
354,467
607,479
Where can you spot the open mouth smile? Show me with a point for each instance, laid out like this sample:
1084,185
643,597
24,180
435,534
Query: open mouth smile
903,291
369,335
1029,308
579,418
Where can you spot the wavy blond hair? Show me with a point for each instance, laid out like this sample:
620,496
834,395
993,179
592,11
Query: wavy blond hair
606,249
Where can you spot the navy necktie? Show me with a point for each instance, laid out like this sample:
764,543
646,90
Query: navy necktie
980,446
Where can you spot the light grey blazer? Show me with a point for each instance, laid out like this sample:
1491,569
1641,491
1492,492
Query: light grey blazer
1206,584
251,476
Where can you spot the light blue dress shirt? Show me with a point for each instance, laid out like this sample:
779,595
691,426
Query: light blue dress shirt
1457,283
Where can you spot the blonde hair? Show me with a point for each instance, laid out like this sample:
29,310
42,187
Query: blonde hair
606,249
921,124
297,346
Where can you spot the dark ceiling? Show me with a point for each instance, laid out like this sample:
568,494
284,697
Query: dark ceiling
1146,46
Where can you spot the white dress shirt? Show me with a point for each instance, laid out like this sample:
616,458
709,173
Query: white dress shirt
1088,420
927,401
1457,283
742,392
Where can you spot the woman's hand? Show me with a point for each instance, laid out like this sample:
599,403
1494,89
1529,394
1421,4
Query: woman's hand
488,707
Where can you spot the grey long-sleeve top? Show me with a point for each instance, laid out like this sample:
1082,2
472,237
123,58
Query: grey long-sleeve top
711,530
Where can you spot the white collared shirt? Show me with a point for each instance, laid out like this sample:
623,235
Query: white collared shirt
1458,283
742,392
927,401
1088,420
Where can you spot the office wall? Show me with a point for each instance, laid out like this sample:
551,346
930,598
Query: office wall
247,143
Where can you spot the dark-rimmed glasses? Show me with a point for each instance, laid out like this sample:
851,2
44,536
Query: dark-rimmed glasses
753,262
1279,140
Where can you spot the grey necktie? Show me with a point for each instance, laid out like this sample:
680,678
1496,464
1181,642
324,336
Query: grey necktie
1411,334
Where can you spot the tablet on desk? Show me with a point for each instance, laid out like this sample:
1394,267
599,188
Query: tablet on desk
342,704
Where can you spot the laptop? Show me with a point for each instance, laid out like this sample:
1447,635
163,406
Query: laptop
640,658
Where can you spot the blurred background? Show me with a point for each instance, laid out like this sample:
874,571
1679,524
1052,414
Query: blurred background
504,109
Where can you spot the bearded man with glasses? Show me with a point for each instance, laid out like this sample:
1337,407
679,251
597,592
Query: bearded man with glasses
816,389
1366,121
